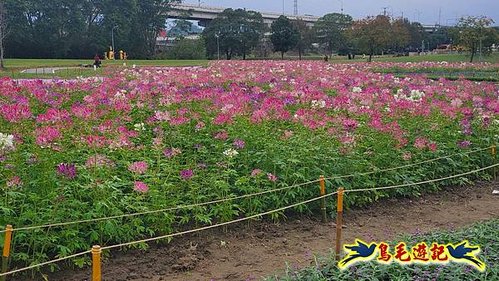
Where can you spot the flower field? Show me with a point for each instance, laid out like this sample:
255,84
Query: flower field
151,138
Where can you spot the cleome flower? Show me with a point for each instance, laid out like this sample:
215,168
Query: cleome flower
230,153
6,141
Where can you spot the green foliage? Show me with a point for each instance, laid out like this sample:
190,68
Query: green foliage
234,32
371,35
331,31
484,234
284,36
187,49
474,34
77,29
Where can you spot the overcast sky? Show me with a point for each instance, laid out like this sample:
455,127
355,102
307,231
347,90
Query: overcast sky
424,11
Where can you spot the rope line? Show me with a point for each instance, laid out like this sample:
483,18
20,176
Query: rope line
162,210
408,165
44,263
241,219
423,182
216,225
237,197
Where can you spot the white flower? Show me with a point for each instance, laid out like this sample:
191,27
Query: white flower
139,127
357,90
318,104
231,152
6,141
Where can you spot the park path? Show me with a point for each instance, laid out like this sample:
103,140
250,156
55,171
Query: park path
45,70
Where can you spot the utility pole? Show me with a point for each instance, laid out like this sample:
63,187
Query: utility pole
384,11
112,37
296,8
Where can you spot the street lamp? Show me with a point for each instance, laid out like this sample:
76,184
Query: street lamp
341,2
112,37
217,35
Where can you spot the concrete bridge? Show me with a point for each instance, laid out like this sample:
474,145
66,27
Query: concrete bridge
205,14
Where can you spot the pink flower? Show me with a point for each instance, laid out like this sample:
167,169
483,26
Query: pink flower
239,144
15,112
46,135
407,156
14,181
140,187
464,144
287,134
186,174
420,143
138,167
222,135
432,146
271,177
99,160
256,172
67,170
350,124
172,152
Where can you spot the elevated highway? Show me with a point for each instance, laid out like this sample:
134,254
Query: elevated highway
205,14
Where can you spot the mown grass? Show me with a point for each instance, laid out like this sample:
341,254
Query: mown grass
485,234
15,66
33,63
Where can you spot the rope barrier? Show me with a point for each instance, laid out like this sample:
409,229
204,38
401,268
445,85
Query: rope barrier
408,165
216,225
44,263
242,219
423,182
237,197
162,210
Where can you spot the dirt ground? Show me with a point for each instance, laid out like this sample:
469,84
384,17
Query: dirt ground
250,252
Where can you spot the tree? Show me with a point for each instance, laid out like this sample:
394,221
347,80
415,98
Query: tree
3,31
401,34
150,18
471,32
331,31
234,32
284,36
82,28
371,35
306,37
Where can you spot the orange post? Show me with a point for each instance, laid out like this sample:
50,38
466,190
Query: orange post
6,250
322,184
96,263
493,151
339,222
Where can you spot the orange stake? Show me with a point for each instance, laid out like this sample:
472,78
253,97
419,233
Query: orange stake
323,200
96,263
6,250
494,170
339,222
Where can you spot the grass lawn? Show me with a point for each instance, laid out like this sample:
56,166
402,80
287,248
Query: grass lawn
34,63
15,66
484,234
493,58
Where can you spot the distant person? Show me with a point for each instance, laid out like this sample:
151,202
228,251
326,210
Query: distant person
326,58
97,61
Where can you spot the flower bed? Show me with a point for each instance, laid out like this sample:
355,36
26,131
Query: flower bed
151,138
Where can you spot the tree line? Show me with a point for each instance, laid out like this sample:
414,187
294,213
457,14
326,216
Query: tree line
82,28
237,32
